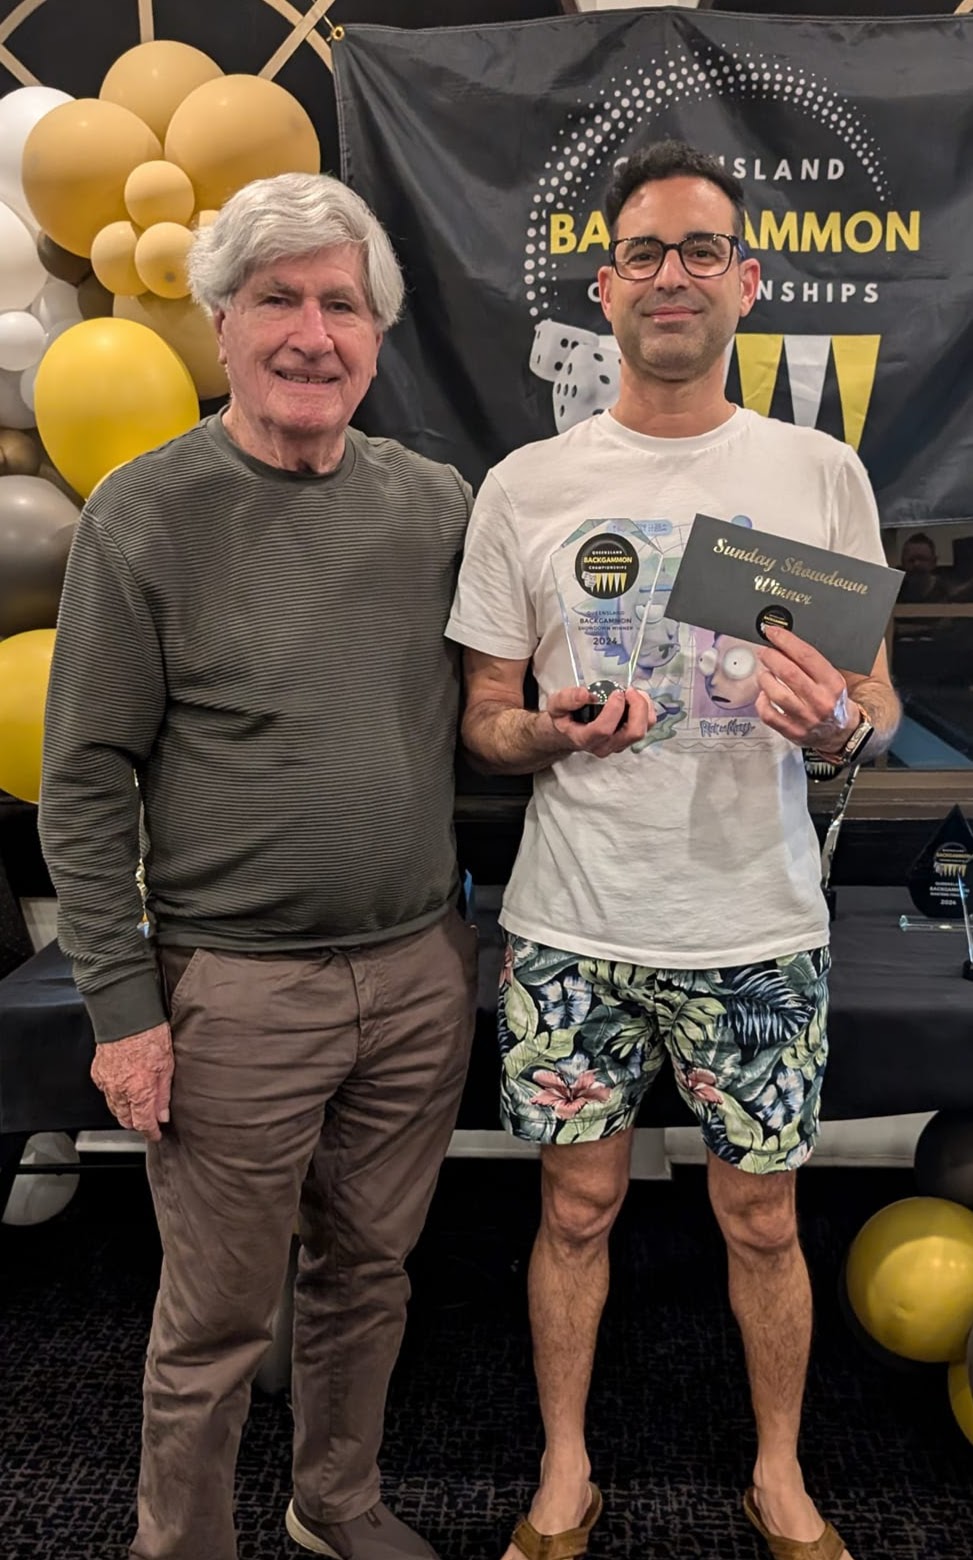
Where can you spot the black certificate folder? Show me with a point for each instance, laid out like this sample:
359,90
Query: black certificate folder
737,581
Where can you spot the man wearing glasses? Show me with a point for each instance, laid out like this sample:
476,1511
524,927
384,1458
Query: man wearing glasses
668,898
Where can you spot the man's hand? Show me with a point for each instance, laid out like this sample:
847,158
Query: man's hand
502,737
135,1076
625,718
802,695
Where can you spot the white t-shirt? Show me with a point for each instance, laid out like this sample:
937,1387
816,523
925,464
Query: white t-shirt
697,850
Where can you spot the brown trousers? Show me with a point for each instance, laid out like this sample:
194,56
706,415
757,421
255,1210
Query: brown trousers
314,1089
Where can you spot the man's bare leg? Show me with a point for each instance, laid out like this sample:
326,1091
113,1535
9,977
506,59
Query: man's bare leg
771,1298
583,1186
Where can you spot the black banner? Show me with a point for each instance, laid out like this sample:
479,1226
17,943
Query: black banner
486,151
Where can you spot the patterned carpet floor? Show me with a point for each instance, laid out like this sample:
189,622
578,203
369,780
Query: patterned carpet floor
670,1429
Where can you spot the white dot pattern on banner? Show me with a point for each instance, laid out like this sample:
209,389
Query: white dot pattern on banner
634,101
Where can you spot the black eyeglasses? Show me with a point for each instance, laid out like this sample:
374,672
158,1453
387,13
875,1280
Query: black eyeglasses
702,255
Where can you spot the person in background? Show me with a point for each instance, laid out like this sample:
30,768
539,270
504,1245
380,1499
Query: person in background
922,582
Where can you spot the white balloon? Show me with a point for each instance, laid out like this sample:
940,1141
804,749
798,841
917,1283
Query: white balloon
21,340
28,380
21,273
58,329
58,302
13,412
19,112
35,1198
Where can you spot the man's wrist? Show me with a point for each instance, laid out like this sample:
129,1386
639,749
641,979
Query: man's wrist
857,716
125,1007
848,747
553,741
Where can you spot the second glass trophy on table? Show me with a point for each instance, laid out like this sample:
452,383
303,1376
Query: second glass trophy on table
939,884
936,878
605,576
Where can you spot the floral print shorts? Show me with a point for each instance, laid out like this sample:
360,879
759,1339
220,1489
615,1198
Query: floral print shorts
582,1040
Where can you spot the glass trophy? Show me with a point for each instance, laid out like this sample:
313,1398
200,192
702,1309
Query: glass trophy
964,894
937,879
605,576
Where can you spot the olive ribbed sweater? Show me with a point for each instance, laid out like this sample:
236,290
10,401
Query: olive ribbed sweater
265,649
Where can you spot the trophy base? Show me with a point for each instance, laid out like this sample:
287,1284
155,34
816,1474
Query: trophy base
968,969
602,691
923,923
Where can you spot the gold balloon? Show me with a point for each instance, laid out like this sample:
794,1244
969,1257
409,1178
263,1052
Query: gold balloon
59,262
106,391
94,299
159,192
153,79
961,1397
25,670
76,161
910,1278
236,129
160,259
113,258
189,332
20,453
204,219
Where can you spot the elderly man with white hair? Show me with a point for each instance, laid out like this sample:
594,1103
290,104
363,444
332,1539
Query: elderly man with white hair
252,622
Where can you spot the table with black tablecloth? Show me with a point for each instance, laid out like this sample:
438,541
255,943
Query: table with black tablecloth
901,1031
901,1020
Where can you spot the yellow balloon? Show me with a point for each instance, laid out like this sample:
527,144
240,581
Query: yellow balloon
204,219
113,258
106,391
189,332
25,670
236,129
159,192
153,78
910,1278
76,161
160,259
961,1398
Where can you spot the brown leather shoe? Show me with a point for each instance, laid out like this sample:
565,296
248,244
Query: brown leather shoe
375,1535
829,1546
558,1546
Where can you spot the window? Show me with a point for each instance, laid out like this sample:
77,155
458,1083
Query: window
930,642
929,767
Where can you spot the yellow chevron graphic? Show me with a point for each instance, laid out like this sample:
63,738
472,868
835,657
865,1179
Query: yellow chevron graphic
758,358
855,361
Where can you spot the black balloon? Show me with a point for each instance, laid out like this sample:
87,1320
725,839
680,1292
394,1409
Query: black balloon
61,262
37,524
944,1157
94,300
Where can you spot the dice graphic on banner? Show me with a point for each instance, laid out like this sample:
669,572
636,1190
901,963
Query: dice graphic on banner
552,343
588,383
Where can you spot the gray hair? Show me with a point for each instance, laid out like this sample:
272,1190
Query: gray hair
281,218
